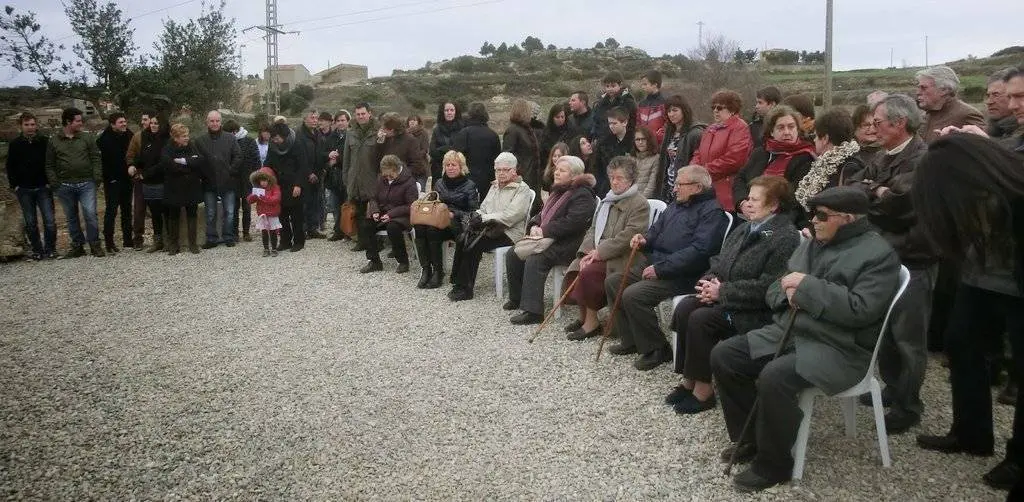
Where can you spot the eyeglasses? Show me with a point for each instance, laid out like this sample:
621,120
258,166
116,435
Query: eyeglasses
822,215
503,169
686,183
717,108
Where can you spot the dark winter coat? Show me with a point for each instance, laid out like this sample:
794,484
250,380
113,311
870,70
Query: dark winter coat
604,152
797,168
26,162
223,160
521,141
151,151
481,146
583,122
757,131
268,204
748,264
335,141
360,166
394,198
686,145
849,284
553,135
422,140
289,162
569,224
113,147
307,139
685,237
460,195
250,161
404,146
626,101
442,141
183,184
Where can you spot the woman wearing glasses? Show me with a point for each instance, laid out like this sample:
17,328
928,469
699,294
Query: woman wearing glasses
725,145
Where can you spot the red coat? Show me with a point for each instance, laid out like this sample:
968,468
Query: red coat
723,151
270,203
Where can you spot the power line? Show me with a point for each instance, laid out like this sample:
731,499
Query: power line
353,13
431,11
144,14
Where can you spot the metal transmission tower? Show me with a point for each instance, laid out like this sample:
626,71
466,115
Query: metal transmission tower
272,99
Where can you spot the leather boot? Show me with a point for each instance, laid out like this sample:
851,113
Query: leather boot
192,246
158,244
436,263
96,249
172,241
421,252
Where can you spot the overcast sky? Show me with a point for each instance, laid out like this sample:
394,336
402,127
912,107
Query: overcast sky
404,34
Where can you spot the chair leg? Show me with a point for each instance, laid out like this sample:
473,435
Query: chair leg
499,273
800,446
883,436
849,405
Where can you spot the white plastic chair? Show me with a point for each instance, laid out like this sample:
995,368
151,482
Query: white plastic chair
849,399
499,258
412,231
654,209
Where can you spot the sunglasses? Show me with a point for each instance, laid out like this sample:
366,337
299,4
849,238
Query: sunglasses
717,108
822,215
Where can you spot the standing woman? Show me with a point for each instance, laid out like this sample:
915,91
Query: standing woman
480,145
645,149
866,134
725,146
557,151
182,167
837,160
682,137
785,153
263,143
557,130
581,147
414,126
520,140
153,141
968,194
457,191
449,122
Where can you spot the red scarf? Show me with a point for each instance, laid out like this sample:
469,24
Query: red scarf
782,153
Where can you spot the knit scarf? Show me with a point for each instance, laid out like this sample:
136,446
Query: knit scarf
822,170
782,153
605,207
456,182
557,199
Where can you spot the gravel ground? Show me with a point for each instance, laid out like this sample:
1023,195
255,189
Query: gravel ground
231,376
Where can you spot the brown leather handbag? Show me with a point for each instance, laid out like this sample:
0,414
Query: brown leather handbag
430,211
348,219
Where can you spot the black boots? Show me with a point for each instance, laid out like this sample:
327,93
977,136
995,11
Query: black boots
192,246
158,244
436,264
423,252
96,250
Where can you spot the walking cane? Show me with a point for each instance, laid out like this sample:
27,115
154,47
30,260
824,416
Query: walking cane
615,304
558,305
753,409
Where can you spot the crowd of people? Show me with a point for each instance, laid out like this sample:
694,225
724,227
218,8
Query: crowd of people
790,229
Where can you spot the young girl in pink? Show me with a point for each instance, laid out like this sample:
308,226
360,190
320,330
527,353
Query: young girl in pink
267,197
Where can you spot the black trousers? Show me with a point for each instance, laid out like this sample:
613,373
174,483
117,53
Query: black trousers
158,216
118,196
396,234
740,381
700,328
173,241
467,260
968,365
293,233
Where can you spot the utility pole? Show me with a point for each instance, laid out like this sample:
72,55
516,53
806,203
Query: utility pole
891,65
272,30
241,71
700,33
826,100
926,50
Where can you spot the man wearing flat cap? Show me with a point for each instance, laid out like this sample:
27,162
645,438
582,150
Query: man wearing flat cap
840,283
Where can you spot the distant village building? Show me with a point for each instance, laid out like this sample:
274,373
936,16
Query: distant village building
341,74
289,76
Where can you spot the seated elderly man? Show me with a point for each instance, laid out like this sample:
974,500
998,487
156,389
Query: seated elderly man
500,221
677,250
840,284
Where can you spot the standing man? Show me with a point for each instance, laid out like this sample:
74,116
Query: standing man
288,159
334,146
1001,121
651,111
138,201
26,173
73,164
767,98
581,116
615,145
117,185
223,161
306,137
936,95
360,163
615,95
250,163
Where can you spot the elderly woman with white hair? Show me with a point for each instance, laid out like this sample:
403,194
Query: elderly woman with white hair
936,95
499,222
553,236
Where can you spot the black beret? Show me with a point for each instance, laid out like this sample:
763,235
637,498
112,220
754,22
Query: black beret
842,199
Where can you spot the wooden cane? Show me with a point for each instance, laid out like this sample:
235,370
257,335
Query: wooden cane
558,305
753,409
615,304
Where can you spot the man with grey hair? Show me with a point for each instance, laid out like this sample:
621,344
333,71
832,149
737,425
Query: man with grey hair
677,249
903,356
1001,121
936,95
223,162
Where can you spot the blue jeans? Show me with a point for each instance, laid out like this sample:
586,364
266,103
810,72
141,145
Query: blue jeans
227,204
71,195
30,200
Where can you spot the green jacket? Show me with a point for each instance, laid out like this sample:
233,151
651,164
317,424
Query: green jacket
359,169
849,285
73,160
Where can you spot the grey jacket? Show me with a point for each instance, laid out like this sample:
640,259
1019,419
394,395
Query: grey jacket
223,161
849,285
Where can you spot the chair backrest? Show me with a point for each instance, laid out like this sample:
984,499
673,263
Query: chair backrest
728,226
904,281
655,207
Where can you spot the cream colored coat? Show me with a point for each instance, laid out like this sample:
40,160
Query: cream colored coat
509,206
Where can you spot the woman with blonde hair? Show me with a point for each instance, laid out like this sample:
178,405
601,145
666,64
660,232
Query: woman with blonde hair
520,139
182,167
457,191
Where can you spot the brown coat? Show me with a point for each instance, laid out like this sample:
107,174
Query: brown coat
406,147
626,218
953,113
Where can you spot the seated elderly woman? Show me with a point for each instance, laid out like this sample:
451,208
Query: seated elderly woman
564,219
389,211
458,192
730,296
500,221
620,215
